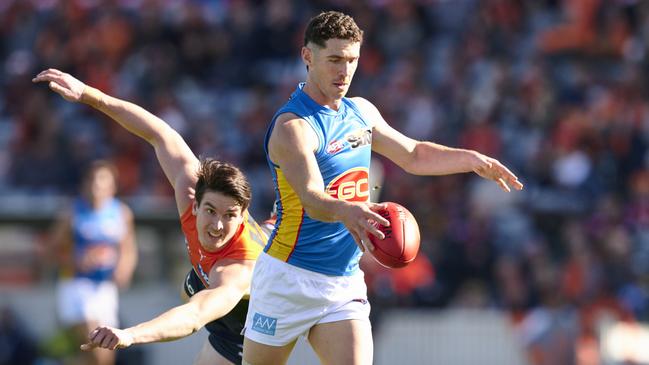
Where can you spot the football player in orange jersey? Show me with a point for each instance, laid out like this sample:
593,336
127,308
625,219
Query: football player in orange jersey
223,241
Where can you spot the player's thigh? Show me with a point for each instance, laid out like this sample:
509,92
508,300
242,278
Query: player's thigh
343,342
209,356
255,353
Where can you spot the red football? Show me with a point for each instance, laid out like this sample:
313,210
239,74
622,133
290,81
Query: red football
401,242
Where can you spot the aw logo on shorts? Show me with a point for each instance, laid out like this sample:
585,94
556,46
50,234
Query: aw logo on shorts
263,324
351,185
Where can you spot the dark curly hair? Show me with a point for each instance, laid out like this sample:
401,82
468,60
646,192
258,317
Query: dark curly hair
331,25
223,178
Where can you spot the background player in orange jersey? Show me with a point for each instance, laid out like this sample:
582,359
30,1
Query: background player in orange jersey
222,239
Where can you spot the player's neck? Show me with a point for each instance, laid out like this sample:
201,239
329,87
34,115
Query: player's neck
316,93
97,203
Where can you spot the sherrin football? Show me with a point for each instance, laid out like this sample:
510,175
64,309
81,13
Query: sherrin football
401,242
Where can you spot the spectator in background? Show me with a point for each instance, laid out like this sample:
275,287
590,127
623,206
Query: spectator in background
94,242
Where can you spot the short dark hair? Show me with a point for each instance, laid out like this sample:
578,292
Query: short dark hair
224,178
331,25
98,165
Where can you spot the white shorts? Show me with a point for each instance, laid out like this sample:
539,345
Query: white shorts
82,300
286,301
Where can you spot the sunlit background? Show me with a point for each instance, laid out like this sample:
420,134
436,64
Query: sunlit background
557,90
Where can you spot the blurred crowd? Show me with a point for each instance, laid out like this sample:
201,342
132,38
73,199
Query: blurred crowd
556,90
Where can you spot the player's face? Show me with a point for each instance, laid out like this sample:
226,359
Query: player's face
218,218
332,68
101,184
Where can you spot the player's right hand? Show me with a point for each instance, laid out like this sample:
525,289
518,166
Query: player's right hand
63,84
360,219
108,338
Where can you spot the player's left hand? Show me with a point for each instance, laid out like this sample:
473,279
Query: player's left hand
62,83
108,338
492,169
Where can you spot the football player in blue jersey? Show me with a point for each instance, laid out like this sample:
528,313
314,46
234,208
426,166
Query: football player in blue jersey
94,242
318,146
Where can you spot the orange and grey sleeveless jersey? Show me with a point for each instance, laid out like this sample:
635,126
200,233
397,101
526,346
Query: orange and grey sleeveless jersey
343,157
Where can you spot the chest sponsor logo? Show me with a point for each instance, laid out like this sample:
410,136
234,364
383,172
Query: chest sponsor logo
351,185
359,138
98,256
264,324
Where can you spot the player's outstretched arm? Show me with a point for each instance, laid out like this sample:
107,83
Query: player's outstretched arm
60,248
176,159
128,251
291,146
428,158
229,280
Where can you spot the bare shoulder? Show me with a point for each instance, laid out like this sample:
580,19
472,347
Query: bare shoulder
292,130
126,210
234,263
367,109
234,272
363,104
286,118
284,128
285,123
360,101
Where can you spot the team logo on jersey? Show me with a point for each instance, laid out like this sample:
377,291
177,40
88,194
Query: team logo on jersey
351,185
359,138
335,146
97,256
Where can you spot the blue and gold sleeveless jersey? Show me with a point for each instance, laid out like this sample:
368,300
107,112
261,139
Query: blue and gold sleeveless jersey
97,235
343,156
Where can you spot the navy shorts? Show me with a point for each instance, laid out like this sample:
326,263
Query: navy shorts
224,333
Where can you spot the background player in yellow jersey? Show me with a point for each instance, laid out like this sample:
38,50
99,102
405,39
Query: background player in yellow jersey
318,148
222,239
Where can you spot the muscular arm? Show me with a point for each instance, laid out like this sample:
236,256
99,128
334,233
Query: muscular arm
128,251
428,158
61,241
291,146
176,159
229,282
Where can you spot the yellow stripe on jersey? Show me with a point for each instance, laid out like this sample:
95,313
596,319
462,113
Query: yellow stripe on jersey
289,227
256,233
